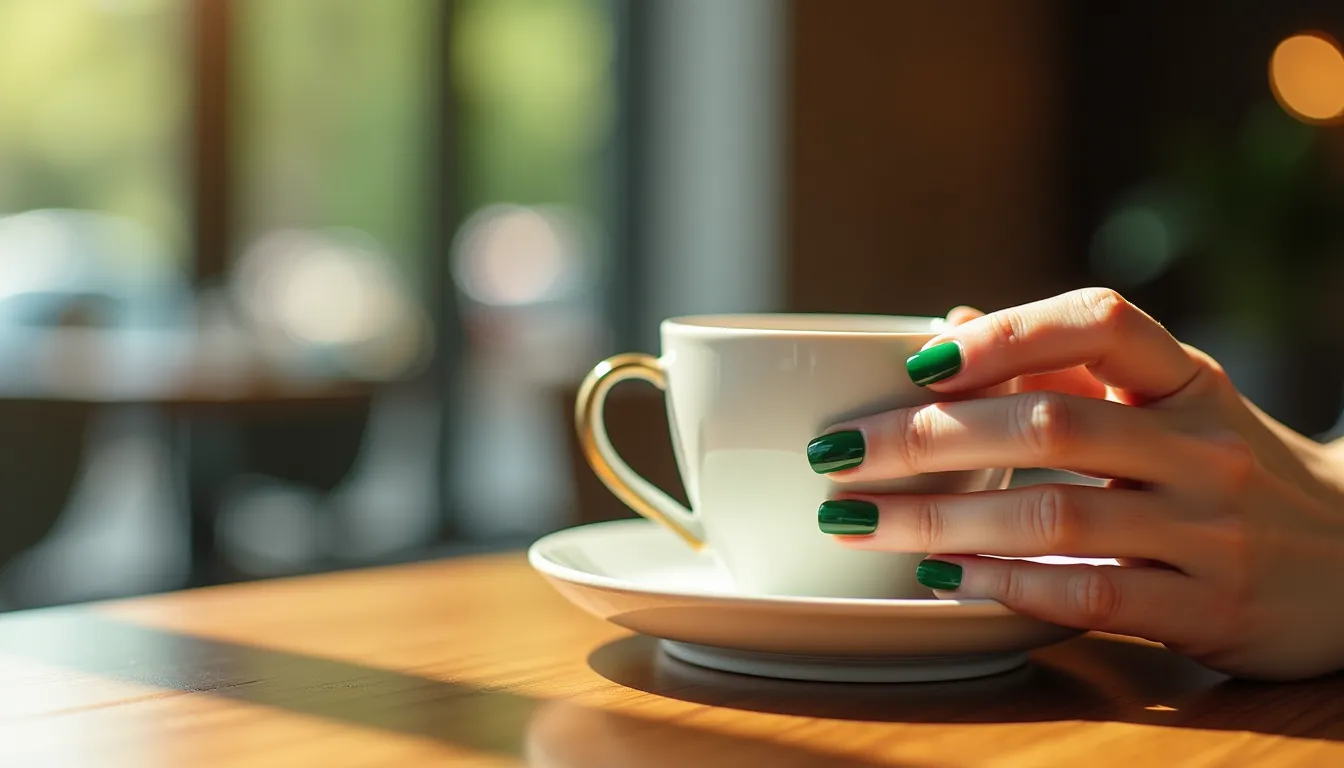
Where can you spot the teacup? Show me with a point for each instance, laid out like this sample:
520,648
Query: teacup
745,394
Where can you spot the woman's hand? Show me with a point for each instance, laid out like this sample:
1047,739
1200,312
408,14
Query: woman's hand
1228,527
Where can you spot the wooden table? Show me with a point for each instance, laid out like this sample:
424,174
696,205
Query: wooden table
476,661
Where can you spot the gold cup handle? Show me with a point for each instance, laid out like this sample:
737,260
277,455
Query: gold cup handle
636,492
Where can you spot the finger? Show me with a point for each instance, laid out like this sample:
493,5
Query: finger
1039,520
1096,328
1037,429
1071,381
963,314
1156,604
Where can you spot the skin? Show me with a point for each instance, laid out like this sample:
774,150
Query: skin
1228,527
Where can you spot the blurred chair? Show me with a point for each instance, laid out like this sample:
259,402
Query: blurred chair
66,269
41,452
328,304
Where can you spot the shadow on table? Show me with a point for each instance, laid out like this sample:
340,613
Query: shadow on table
556,734
567,735
1094,677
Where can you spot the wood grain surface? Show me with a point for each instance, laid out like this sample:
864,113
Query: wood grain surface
477,661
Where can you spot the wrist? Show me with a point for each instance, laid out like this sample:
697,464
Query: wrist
1332,462
1334,450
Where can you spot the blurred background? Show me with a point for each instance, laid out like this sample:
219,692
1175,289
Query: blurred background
297,285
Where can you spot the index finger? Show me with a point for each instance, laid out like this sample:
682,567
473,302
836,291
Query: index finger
1093,327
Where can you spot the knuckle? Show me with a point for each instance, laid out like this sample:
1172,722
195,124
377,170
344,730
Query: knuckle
1208,361
1011,587
1237,462
1043,424
1006,328
1236,613
1093,597
929,525
1234,543
1232,615
1105,306
1052,520
913,438
1226,618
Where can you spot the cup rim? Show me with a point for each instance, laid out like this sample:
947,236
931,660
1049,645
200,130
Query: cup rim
778,324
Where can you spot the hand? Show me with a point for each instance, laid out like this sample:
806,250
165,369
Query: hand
1228,527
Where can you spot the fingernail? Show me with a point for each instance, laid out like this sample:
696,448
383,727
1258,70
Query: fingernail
847,517
939,574
836,451
936,363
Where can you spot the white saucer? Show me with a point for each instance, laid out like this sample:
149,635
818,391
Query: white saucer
635,574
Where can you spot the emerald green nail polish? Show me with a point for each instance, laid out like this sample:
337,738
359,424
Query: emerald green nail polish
939,574
934,364
836,451
847,517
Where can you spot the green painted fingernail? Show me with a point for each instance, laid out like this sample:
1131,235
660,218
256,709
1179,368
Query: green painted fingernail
836,451
934,364
847,517
939,574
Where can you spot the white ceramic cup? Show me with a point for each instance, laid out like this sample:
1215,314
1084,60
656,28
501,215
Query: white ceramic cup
745,394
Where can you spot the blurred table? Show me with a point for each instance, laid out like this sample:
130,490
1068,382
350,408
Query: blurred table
187,368
202,377
476,661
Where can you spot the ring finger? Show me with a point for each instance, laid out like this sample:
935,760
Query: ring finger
1050,519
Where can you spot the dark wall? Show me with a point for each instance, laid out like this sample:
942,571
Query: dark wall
923,159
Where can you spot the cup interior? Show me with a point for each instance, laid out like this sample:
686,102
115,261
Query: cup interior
808,323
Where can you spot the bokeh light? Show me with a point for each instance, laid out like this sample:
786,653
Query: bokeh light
332,289
1133,246
512,255
1307,75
